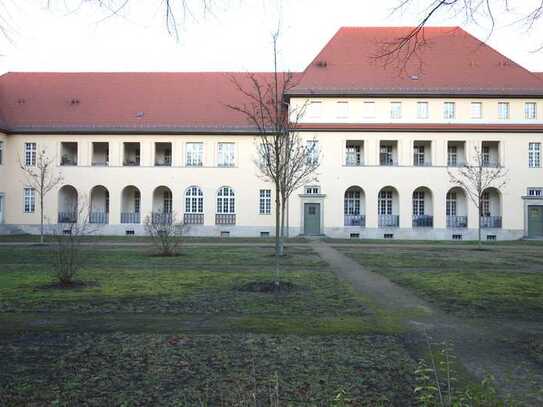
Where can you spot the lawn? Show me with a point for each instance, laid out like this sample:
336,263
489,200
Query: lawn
185,330
501,282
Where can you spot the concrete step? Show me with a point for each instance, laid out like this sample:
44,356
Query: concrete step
10,230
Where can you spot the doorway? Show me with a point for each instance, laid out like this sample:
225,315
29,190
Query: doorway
312,219
535,221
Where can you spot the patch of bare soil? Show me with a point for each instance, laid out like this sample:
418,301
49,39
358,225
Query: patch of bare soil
269,287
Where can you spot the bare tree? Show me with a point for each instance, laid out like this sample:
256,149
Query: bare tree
166,233
41,175
283,158
407,47
476,178
68,238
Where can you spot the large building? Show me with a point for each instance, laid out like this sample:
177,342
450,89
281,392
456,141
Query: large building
132,145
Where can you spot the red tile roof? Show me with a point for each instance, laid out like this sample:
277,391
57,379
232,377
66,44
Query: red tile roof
453,63
158,102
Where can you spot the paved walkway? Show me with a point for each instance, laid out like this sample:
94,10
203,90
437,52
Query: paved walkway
483,346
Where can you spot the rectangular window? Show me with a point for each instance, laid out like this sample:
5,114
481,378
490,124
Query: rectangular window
386,155
369,110
422,110
418,157
167,202
312,151
452,156
312,190
476,110
530,111
265,202
30,200
353,156
385,203
418,203
195,153
485,204
503,110
449,110
226,154
451,204
534,155
30,154
342,110
1,152
314,110
486,156
137,201
535,191
395,110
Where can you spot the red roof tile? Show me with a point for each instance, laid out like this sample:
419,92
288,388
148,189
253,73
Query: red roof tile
453,63
123,101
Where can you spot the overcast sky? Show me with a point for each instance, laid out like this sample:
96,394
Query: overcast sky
80,36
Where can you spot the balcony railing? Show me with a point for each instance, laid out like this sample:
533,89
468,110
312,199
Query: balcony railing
423,221
67,217
101,218
131,163
68,161
490,164
457,163
161,218
387,161
389,221
355,220
225,219
488,222
100,163
163,163
193,219
419,163
130,217
457,222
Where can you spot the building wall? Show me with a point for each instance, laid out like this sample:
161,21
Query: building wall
334,178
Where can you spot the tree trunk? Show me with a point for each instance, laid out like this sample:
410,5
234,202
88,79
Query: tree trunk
41,219
479,230
278,244
282,244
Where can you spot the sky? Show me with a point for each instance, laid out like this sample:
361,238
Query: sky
234,35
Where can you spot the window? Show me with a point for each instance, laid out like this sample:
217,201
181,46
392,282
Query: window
226,201
312,190
486,156
385,203
418,203
194,200
449,110
476,110
485,204
342,110
352,202
30,154
195,153
30,200
534,155
419,155
353,156
226,154
452,156
369,110
451,204
422,110
265,202
312,151
535,191
386,155
530,111
395,110
315,110
503,110
1,152
167,199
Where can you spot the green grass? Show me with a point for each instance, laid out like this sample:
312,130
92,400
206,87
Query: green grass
499,282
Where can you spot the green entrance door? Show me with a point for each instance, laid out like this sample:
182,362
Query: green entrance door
312,219
535,221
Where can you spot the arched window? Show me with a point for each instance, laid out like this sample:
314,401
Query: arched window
451,204
194,200
226,200
385,202
352,202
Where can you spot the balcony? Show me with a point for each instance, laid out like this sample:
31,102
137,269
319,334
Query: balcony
423,221
130,217
100,154
457,222
67,217
131,154
491,222
490,163
355,220
100,218
163,154
387,161
160,218
193,219
68,154
225,219
389,221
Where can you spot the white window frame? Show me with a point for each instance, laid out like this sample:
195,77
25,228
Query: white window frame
342,109
504,110
265,202
30,154
423,110
476,110
418,203
167,201
351,202
530,110
384,203
419,155
226,154
485,204
451,205
353,154
452,156
449,110
194,154
369,110
395,110
313,151
29,200
226,201
194,200
534,155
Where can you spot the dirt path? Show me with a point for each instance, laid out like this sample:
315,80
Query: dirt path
482,346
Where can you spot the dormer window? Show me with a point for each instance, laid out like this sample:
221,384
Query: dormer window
449,110
396,110
422,110
342,110
503,110
476,110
